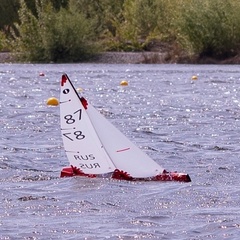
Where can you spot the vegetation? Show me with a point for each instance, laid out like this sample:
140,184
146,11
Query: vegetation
75,30
211,28
53,35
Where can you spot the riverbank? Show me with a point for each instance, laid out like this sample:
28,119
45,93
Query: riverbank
141,58
110,57
7,57
130,57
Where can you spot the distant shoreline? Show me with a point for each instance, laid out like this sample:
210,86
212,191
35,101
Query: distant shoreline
138,58
7,57
108,58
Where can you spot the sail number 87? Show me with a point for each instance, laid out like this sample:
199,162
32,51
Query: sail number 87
69,118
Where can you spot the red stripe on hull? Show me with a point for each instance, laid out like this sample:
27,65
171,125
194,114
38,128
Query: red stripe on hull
121,175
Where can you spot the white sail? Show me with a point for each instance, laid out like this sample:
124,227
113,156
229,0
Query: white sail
82,145
93,144
124,154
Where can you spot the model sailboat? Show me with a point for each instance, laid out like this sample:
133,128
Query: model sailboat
95,148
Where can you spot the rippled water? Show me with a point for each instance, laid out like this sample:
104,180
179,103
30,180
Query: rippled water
188,126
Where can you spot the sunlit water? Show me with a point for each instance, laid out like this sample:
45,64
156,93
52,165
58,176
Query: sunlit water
185,125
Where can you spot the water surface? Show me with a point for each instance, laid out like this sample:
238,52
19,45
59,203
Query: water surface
185,125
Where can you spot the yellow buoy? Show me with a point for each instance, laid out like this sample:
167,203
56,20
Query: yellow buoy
79,89
194,77
124,83
52,101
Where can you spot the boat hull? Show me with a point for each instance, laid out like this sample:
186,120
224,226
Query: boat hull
71,171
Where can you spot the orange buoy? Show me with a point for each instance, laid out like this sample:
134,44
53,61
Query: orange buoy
52,101
124,83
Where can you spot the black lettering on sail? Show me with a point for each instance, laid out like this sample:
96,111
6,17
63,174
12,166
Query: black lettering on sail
91,157
96,165
84,157
89,166
81,166
77,157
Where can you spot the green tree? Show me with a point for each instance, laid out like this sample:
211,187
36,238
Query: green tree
8,14
54,35
211,28
9,11
142,21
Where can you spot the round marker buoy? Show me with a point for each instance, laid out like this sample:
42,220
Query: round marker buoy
194,77
124,83
52,101
79,89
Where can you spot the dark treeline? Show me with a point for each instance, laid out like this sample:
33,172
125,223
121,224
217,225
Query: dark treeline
75,30
9,10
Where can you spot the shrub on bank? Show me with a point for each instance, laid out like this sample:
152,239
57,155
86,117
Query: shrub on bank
53,35
141,22
211,27
4,46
